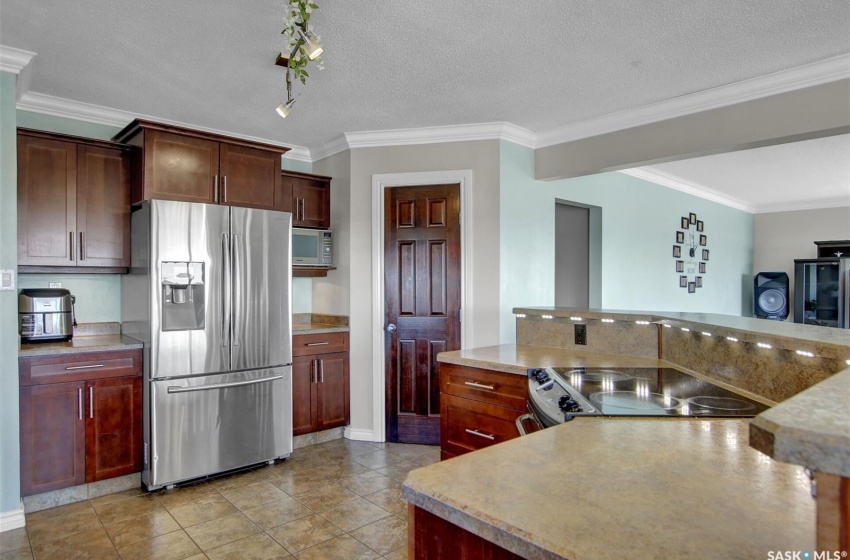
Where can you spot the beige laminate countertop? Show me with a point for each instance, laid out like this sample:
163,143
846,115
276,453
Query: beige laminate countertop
88,337
599,488
317,328
517,358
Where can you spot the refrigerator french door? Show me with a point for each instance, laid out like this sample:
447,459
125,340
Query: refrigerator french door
209,294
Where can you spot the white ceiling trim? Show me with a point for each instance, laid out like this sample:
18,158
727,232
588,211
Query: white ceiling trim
329,148
14,60
843,202
58,107
824,71
695,189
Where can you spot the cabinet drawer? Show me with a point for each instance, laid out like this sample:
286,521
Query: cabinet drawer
61,368
494,387
308,344
467,425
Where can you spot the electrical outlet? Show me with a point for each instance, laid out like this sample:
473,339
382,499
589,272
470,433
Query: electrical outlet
54,284
581,333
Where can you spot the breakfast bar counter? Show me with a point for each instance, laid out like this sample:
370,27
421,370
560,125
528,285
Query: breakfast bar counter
597,488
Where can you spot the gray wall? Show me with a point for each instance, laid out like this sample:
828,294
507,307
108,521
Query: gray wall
333,294
781,237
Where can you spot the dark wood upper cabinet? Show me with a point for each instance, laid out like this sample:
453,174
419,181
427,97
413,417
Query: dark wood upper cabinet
73,204
191,166
308,197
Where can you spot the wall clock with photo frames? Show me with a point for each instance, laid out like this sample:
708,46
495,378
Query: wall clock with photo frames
691,252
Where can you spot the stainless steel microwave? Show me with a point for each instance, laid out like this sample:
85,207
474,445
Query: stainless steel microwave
312,247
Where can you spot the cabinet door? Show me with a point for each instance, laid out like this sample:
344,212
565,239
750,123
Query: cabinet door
47,175
113,427
303,396
52,437
311,203
333,390
182,168
103,206
249,177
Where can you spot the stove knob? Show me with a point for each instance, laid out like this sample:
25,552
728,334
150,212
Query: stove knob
563,400
536,374
574,407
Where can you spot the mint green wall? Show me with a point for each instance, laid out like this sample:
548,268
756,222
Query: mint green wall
37,121
97,296
639,221
10,481
296,165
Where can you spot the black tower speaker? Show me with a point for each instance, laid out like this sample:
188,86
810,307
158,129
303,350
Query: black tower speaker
770,295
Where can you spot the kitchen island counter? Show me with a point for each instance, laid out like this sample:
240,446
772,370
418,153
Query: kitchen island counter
624,488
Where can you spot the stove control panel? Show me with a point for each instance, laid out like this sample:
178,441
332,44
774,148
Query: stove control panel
555,401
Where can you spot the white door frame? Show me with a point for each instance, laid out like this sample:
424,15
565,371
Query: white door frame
389,180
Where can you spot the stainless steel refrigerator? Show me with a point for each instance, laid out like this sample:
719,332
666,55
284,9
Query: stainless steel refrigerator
209,295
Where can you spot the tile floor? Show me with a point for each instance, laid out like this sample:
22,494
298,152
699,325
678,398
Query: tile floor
335,500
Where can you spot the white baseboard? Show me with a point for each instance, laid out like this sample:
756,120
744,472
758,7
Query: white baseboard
12,519
359,435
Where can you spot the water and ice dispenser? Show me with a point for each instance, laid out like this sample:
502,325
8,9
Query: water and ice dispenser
183,296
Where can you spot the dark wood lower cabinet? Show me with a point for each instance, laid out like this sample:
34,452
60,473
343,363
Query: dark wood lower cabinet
433,538
320,382
53,437
75,429
112,436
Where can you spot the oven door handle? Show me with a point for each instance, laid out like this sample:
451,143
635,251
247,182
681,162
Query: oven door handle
526,417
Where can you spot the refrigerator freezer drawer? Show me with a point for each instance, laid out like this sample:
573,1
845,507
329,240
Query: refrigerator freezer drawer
208,424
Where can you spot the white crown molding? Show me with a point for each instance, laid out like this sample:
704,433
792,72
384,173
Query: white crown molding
297,153
76,110
441,134
14,60
97,114
843,202
695,189
824,71
328,148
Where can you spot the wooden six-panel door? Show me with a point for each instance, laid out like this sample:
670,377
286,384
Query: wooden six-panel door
422,304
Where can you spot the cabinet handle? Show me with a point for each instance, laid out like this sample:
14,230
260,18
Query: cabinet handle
71,243
322,370
479,434
85,367
80,402
480,385
215,189
82,245
91,401
224,179
317,344
303,208
313,375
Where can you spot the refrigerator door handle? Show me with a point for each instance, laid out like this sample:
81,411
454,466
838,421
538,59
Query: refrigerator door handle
225,275
178,389
234,321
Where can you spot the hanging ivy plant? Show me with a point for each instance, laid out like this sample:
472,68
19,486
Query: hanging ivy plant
297,27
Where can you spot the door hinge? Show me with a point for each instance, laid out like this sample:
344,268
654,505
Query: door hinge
460,315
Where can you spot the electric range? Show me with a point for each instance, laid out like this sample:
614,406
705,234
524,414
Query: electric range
559,394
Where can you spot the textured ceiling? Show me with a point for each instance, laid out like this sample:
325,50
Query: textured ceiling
538,64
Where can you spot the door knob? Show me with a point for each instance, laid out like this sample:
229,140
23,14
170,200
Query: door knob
391,328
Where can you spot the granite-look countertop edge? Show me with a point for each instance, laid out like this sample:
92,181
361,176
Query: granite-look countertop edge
517,358
81,344
317,328
811,429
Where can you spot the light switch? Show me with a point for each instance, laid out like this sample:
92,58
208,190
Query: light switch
7,279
